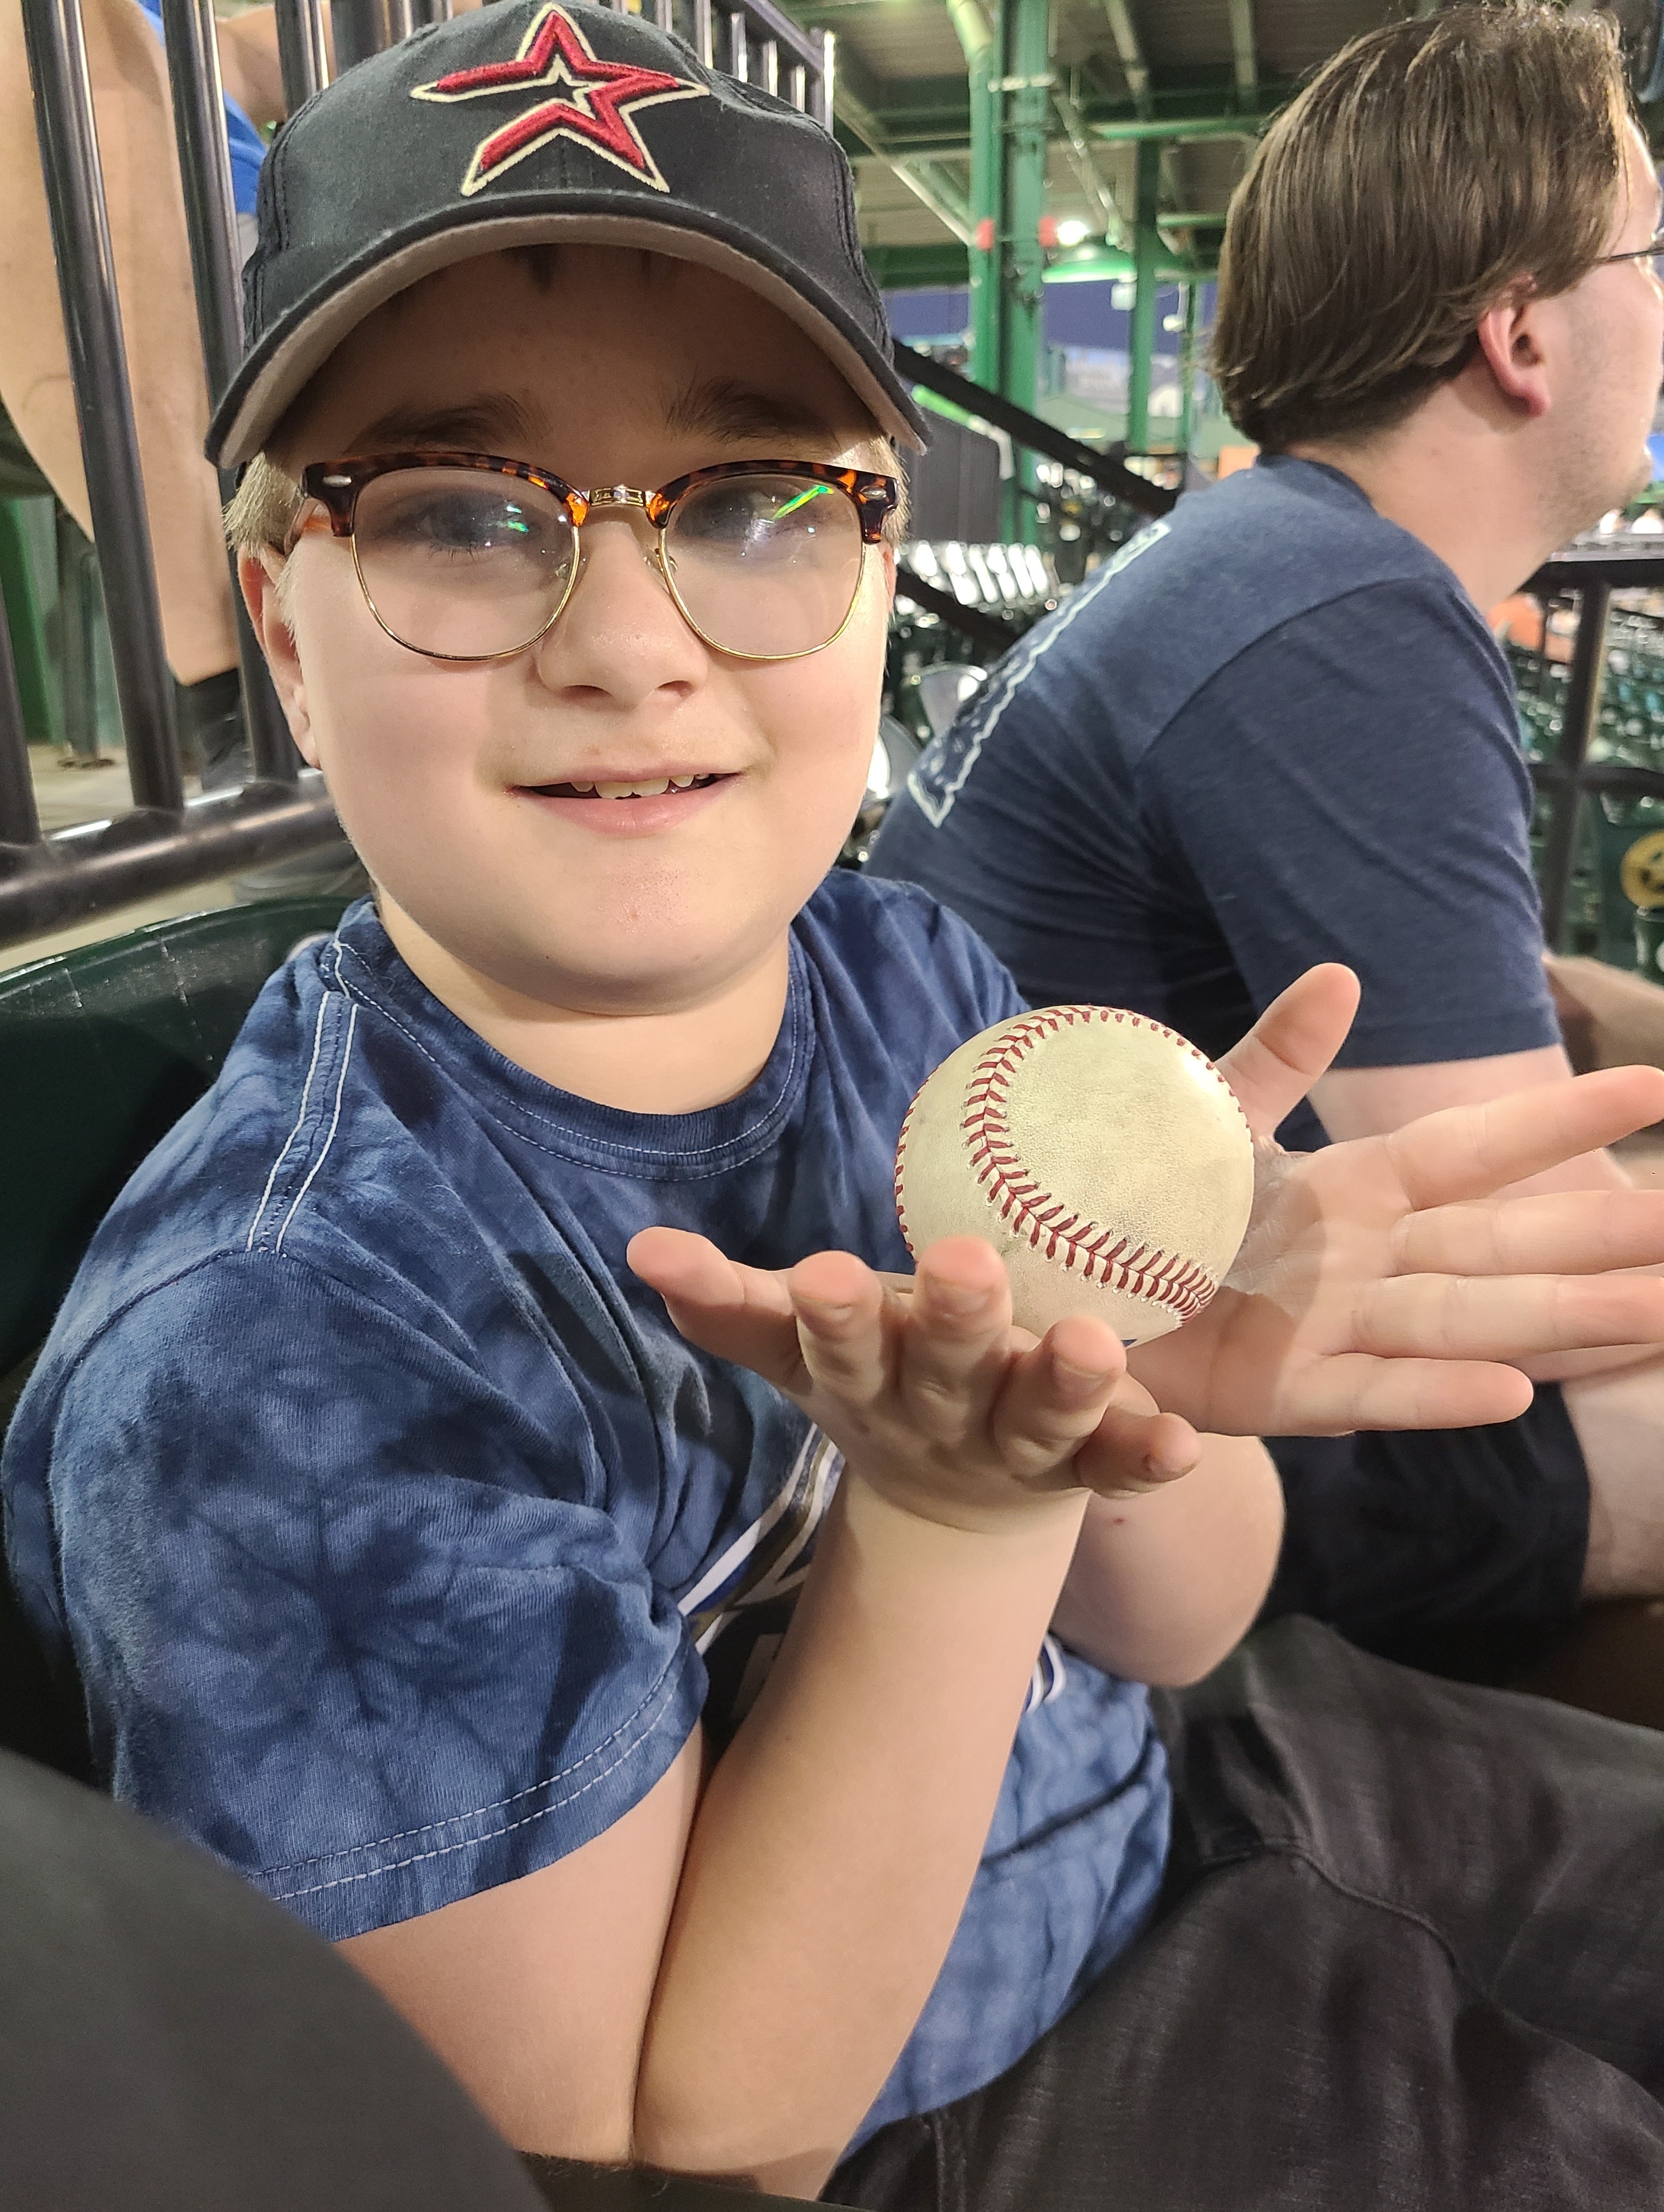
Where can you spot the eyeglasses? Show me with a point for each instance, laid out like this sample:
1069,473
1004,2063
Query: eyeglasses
468,557
1652,254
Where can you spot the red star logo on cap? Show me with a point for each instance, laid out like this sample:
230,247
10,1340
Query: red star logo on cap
594,101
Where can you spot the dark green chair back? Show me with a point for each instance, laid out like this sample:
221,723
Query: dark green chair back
102,1050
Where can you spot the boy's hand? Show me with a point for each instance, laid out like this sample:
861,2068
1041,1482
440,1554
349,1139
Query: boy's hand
1380,1285
927,1389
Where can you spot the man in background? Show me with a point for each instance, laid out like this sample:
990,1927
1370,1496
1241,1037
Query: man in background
1276,730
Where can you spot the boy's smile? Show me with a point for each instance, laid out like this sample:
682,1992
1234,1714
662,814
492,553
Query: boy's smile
614,826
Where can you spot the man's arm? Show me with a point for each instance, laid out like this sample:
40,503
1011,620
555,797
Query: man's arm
1163,1587
1370,1102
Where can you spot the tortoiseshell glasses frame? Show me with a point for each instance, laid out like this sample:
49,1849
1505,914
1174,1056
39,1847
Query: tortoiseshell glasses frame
338,486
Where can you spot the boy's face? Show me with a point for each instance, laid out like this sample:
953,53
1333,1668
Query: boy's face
626,369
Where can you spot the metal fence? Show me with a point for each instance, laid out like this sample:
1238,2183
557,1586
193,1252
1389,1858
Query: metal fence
167,841
1587,575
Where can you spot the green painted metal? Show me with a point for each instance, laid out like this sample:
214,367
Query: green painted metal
1025,37
1147,247
919,268
1176,129
977,39
20,606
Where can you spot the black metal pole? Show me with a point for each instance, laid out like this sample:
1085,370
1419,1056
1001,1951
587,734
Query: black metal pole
363,28
1588,659
211,222
302,55
63,879
20,820
98,368
1102,469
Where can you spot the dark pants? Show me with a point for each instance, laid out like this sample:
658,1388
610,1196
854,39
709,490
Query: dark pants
1410,1959
1457,1550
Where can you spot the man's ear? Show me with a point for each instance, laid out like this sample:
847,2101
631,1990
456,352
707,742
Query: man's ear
1511,340
259,575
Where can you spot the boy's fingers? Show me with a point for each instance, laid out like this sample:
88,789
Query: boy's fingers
742,1314
1130,1452
955,1349
1055,1396
839,1304
1579,1232
1469,1151
1291,1045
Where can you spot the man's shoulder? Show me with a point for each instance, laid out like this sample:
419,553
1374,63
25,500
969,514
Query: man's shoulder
1240,559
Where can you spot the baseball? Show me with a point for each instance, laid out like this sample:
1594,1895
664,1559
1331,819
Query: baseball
1105,1159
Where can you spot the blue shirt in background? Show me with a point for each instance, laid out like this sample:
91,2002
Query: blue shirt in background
1273,730
247,146
399,1539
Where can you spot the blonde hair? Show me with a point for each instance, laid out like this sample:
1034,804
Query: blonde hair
1426,170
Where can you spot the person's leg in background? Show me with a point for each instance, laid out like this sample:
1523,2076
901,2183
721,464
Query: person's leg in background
164,355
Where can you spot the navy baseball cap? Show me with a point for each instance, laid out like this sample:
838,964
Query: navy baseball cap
528,123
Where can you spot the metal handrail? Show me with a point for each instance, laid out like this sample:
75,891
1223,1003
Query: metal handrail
1590,573
1039,436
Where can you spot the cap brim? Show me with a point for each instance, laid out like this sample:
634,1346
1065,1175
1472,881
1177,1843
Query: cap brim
277,372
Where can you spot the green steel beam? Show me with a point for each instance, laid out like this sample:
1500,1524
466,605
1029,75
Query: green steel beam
1024,40
977,41
1177,129
919,268
1147,248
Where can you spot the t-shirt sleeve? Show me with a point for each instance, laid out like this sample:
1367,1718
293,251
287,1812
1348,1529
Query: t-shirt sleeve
342,1611
1352,788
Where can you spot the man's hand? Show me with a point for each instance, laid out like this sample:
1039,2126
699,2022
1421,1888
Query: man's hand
1380,1284
929,1392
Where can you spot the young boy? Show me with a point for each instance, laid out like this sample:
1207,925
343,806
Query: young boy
671,1725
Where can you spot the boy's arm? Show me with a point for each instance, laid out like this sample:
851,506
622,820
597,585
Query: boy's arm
1163,1587
722,1982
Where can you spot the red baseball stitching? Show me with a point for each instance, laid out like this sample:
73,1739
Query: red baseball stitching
1030,1209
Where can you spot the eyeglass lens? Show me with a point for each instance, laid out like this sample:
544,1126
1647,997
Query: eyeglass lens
467,564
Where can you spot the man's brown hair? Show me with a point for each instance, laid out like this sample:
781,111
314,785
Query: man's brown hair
1427,169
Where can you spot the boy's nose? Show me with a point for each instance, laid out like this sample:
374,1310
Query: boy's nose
620,633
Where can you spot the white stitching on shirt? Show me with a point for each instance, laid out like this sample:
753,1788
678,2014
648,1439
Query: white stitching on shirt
468,1843
300,1121
334,1119
660,1689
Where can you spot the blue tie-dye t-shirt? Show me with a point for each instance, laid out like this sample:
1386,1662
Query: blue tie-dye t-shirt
401,1542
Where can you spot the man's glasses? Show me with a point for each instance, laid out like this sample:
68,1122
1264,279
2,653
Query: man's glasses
1652,254
467,557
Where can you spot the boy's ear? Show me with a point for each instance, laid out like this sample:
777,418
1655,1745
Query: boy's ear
259,575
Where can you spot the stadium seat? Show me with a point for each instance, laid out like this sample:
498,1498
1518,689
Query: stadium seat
104,1049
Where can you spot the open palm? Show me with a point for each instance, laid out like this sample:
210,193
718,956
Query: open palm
1381,1284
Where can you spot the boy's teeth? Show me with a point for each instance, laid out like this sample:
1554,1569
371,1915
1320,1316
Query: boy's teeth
633,790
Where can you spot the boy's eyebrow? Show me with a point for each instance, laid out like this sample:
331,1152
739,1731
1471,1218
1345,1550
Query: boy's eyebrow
724,408
482,425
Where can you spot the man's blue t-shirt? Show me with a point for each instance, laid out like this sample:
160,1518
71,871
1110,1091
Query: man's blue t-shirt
399,1539
1273,730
